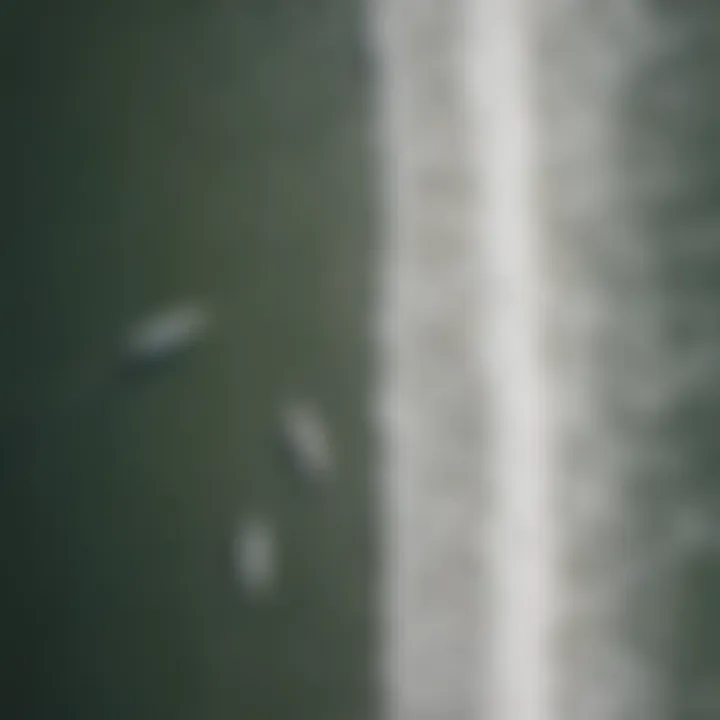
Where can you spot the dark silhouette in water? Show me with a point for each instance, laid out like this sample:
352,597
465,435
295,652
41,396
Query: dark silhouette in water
304,442
159,341
149,348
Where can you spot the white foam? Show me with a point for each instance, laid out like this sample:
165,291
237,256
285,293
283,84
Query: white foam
521,363
512,334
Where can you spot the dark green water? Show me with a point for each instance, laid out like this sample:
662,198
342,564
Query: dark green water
156,151
677,115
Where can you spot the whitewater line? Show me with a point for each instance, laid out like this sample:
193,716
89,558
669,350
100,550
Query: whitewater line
510,337
426,401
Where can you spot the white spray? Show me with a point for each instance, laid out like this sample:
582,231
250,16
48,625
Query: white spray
512,335
521,345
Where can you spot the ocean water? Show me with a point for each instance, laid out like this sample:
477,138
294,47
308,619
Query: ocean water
157,153
482,237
